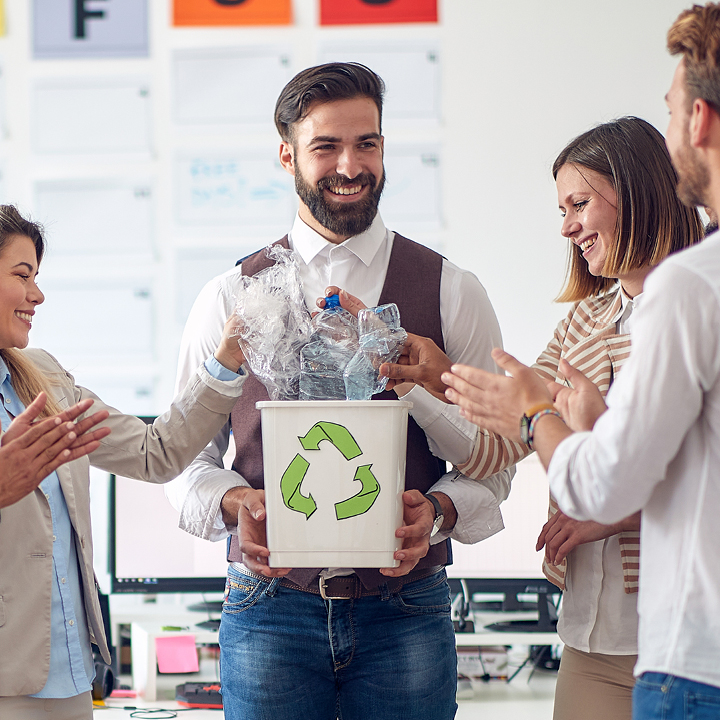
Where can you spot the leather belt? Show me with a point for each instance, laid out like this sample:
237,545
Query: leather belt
349,587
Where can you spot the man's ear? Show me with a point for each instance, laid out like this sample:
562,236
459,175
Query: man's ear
287,158
701,122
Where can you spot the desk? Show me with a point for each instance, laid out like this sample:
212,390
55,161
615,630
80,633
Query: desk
483,637
144,656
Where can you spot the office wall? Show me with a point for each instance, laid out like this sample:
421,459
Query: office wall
515,82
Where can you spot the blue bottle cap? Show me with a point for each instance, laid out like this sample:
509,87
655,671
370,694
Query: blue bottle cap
332,301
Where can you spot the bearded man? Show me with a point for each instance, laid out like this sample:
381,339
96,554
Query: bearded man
365,643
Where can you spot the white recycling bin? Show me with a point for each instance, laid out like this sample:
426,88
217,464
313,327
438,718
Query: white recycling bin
334,478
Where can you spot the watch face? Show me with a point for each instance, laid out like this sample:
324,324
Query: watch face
524,428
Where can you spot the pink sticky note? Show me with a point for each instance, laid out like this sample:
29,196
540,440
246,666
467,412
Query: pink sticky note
176,654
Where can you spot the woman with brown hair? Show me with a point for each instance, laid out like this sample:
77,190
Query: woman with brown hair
616,192
49,611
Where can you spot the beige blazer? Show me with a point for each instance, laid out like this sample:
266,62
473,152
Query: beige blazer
155,453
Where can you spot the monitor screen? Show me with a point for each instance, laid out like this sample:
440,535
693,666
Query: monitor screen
510,554
149,553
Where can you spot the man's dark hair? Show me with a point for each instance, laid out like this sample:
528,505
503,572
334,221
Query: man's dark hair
325,83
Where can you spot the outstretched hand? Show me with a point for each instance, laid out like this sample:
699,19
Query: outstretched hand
496,402
228,352
580,405
347,301
31,450
421,362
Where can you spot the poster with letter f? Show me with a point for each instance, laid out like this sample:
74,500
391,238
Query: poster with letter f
363,12
231,12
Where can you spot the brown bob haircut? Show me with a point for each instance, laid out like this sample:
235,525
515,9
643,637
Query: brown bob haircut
696,36
651,220
325,83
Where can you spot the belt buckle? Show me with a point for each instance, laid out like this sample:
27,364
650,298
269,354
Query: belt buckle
324,595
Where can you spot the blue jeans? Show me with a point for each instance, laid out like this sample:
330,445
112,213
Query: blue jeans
658,696
290,655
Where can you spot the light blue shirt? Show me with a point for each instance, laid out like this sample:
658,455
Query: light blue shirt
71,663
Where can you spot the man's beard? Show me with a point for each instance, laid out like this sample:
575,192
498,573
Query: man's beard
343,219
693,176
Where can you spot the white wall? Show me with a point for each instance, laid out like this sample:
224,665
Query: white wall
518,80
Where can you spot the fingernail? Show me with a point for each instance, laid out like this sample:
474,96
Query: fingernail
343,294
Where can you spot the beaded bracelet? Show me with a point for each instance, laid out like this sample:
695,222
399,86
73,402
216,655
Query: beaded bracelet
535,418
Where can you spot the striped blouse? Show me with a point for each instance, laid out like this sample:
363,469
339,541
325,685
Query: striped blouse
588,339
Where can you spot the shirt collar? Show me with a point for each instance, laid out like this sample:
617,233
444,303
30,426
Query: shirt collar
4,372
309,244
627,305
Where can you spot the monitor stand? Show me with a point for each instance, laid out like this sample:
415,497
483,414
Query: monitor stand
207,606
546,622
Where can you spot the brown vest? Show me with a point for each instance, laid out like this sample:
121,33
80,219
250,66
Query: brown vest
412,282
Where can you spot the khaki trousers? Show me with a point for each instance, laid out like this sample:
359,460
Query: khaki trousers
23,707
591,686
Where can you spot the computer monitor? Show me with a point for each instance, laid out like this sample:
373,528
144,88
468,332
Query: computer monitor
149,553
507,564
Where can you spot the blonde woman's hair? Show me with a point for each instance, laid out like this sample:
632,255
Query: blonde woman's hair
26,378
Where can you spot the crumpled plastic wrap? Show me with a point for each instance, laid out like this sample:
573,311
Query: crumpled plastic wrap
333,356
274,324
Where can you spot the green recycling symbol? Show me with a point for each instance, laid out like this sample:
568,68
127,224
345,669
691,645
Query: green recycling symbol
292,478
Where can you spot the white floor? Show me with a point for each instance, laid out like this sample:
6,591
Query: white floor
527,697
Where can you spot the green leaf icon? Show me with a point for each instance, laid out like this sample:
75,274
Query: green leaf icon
290,487
363,501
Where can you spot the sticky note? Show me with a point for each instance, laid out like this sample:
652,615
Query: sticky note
176,654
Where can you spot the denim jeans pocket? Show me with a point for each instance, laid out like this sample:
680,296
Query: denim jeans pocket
652,680
242,592
699,706
426,596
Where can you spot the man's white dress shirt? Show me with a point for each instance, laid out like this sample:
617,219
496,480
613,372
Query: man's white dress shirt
657,449
359,265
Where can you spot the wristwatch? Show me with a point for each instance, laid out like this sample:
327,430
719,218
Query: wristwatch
439,516
528,420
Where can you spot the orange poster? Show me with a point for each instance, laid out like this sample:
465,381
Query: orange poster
231,12
360,12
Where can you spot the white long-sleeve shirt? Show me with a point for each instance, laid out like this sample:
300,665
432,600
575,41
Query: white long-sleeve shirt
657,448
359,265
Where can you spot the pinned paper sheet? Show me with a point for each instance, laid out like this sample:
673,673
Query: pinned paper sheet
176,654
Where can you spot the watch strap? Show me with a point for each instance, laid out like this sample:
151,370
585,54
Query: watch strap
439,512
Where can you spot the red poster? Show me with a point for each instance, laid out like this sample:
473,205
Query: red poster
231,12
360,12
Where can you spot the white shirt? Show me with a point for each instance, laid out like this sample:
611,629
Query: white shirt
657,449
597,614
359,265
